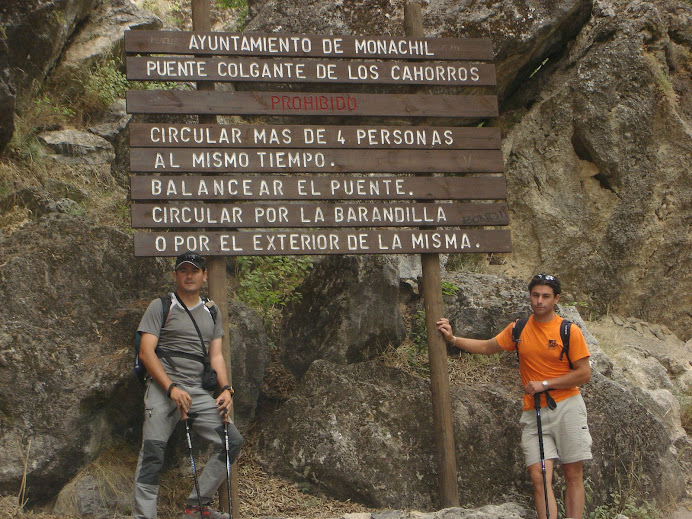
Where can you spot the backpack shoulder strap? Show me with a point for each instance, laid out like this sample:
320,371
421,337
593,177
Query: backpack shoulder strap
565,327
165,307
518,327
211,306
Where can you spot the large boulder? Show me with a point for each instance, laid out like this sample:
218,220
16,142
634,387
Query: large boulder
100,38
597,170
65,367
75,294
36,33
363,432
250,352
348,312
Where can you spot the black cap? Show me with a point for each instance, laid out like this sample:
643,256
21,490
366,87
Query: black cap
192,258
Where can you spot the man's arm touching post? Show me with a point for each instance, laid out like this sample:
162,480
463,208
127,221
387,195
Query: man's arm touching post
480,346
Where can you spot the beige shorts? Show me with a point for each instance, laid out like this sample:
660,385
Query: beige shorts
565,433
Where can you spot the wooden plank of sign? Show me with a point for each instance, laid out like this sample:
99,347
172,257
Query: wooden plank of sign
297,242
279,44
199,215
293,103
252,160
292,187
177,68
312,136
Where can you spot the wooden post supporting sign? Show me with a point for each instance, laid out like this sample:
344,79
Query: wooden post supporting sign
216,277
437,350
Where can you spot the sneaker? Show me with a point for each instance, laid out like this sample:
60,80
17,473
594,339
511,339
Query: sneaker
207,513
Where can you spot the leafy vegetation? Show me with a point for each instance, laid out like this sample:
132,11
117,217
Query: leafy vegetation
622,502
268,283
449,289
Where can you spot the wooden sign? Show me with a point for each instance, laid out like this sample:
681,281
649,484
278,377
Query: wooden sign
280,44
173,216
321,242
291,187
306,103
312,136
296,71
314,161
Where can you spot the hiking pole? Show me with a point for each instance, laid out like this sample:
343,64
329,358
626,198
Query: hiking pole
228,469
192,460
537,405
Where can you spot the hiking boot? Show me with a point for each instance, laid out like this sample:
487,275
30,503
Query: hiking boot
207,513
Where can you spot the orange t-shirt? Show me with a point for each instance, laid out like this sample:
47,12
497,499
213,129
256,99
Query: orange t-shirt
539,354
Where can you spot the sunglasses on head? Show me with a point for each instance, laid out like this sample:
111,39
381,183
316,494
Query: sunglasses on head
545,276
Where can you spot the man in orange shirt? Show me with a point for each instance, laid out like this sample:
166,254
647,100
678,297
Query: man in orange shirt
565,431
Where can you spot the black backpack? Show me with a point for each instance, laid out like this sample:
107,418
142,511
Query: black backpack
564,336
139,369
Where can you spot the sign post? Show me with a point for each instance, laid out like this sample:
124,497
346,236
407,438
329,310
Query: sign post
216,277
443,426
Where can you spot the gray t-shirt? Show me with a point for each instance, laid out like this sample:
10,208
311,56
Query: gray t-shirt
179,336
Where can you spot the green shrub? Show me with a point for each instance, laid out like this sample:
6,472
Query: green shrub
268,283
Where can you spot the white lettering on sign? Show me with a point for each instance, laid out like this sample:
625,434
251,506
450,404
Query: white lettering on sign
273,136
295,242
367,187
176,68
255,70
193,134
434,73
266,214
246,43
438,241
372,214
332,45
226,247
375,137
220,159
202,215
290,159
160,161
393,47
362,72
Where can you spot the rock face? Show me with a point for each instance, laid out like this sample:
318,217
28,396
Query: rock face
68,285
249,359
598,181
349,312
75,295
363,432
36,33
76,147
99,38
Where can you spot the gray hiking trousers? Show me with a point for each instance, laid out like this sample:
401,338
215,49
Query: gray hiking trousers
160,419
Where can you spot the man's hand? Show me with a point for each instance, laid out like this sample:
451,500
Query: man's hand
534,387
182,400
224,402
445,329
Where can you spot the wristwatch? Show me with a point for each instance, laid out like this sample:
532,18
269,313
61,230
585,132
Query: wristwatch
545,384
230,389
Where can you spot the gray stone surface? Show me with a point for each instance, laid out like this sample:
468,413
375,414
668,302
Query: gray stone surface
349,312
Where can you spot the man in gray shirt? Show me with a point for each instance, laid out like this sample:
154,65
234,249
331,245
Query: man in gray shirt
172,355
